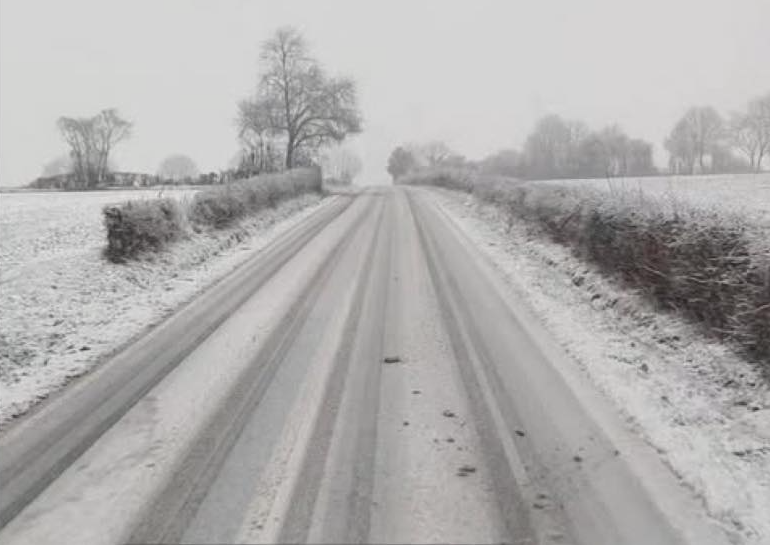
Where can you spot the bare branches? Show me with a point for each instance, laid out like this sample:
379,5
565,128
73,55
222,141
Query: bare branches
297,106
341,166
90,141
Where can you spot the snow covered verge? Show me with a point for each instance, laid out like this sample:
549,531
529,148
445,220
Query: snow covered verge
65,313
703,408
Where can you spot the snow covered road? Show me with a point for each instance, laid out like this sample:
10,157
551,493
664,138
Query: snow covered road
365,378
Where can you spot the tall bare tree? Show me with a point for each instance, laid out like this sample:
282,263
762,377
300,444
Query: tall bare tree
177,167
258,138
91,139
301,103
760,108
682,148
750,131
552,149
401,162
341,165
435,152
695,136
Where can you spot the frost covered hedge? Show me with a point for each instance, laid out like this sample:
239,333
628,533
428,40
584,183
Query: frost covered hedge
142,225
712,267
148,225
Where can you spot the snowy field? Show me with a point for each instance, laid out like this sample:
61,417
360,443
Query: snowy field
704,409
36,228
744,194
65,308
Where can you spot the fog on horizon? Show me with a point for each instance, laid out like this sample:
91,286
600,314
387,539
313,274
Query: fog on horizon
475,74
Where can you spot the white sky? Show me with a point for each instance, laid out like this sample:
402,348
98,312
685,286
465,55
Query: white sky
474,73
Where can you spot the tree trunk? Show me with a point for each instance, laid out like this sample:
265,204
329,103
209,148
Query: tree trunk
290,153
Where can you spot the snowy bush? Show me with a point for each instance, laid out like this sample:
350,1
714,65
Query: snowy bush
141,225
219,206
135,227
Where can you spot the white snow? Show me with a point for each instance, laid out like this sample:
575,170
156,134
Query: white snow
745,194
704,409
65,308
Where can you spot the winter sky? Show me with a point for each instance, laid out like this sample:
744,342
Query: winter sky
475,73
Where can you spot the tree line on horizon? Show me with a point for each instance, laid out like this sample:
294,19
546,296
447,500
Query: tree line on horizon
296,114
701,142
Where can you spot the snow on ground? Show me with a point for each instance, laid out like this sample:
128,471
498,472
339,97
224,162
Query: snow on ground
745,194
36,227
706,411
65,308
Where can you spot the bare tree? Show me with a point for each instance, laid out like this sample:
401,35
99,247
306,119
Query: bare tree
401,162
177,167
552,150
744,137
91,140
299,101
255,132
639,161
750,131
681,145
759,108
434,153
341,166
695,135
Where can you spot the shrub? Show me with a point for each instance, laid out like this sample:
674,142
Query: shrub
220,206
149,225
141,225
711,267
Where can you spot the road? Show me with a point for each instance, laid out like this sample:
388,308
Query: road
363,379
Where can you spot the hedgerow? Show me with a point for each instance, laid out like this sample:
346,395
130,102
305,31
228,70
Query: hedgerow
136,227
712,267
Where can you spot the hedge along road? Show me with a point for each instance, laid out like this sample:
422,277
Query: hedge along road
373,386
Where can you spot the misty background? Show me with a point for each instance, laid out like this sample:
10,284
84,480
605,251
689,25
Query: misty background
475,74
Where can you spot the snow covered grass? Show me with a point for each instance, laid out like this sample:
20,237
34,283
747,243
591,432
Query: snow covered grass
744,194
65,308
701,406
37,227
705,258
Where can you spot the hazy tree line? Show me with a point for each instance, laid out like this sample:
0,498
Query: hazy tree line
556,148
703,141
90,141
700,142
340,166
297,111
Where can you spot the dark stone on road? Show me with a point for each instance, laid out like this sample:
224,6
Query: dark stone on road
466,470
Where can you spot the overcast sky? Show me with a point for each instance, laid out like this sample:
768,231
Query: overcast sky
474,73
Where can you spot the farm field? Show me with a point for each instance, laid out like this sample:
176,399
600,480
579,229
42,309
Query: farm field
37,227
65,307
743,194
